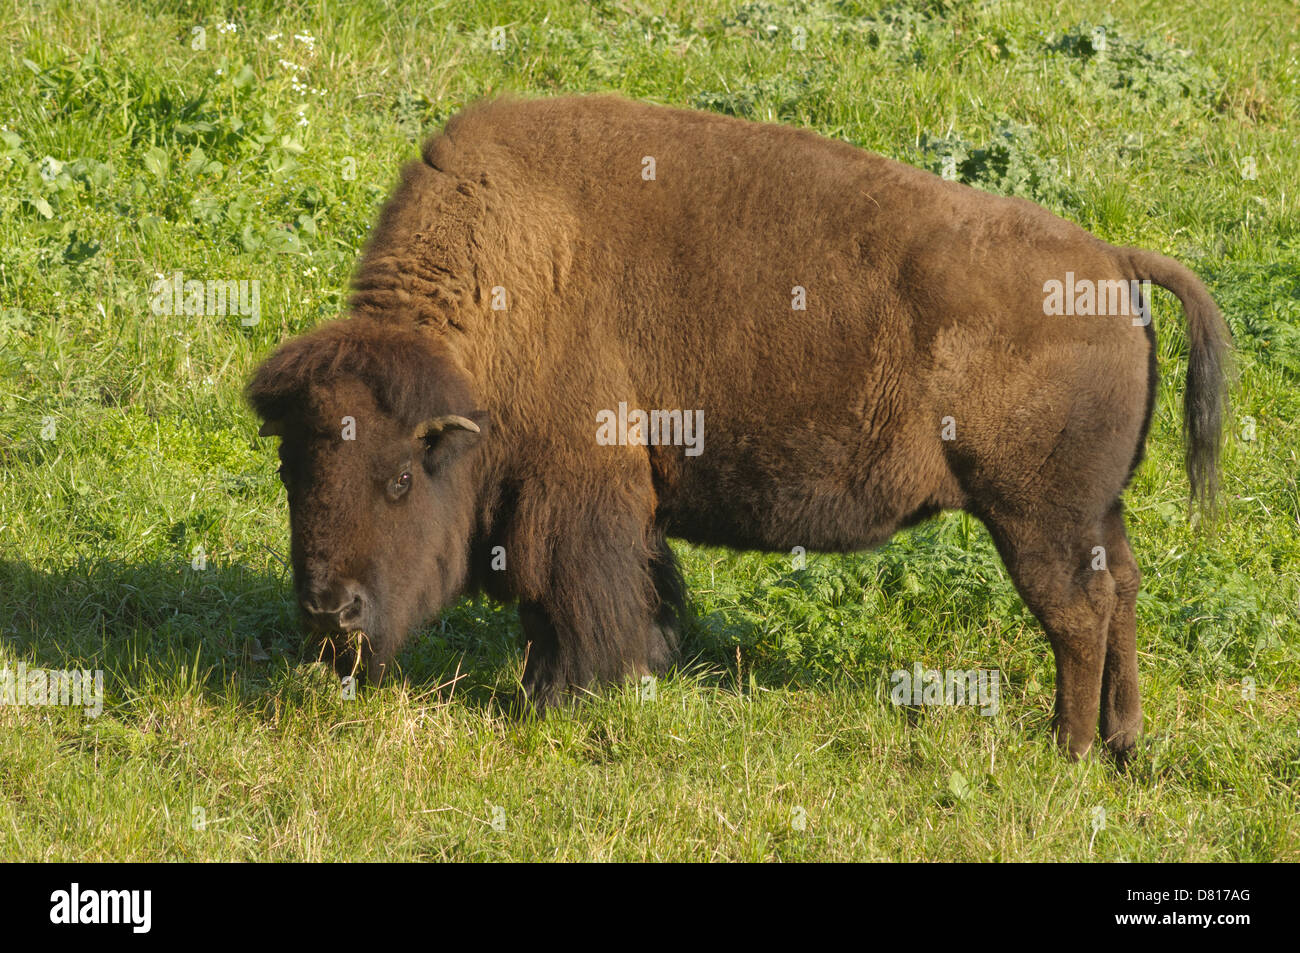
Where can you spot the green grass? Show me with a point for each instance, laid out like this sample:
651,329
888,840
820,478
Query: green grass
777,739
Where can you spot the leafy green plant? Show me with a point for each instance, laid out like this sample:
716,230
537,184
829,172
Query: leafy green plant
1112,58
1008,163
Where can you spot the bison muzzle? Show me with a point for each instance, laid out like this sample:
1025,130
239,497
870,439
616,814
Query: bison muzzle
562,287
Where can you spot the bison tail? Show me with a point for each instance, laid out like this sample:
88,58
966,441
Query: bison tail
1209,349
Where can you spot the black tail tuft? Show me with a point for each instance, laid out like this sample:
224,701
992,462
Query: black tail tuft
1205,404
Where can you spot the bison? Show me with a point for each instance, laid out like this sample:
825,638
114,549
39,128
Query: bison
583,325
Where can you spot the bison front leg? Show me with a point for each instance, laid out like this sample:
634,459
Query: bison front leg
610,612
664,637
547,668
562,661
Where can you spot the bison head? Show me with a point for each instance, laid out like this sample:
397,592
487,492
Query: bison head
378,434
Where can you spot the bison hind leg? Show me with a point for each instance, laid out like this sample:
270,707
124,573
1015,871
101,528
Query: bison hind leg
1062,572
1121,705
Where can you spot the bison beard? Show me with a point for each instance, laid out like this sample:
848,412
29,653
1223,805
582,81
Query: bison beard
867,343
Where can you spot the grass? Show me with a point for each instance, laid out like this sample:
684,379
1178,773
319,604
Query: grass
142,530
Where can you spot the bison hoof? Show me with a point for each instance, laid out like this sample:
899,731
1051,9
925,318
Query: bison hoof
1123,747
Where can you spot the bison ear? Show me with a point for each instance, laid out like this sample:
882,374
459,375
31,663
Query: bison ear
272,428
434,427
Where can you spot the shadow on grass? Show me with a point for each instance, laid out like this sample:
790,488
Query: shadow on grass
231,631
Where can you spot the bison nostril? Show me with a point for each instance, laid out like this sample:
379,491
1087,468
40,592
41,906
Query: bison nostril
340,605
350,615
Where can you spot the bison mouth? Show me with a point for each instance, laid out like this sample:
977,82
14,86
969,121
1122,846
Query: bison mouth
347,651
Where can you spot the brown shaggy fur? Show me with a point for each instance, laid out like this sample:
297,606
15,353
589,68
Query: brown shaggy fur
824,427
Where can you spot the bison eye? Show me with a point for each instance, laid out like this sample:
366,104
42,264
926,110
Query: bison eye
399,486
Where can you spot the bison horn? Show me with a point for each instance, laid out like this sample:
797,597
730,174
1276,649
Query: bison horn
436,425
